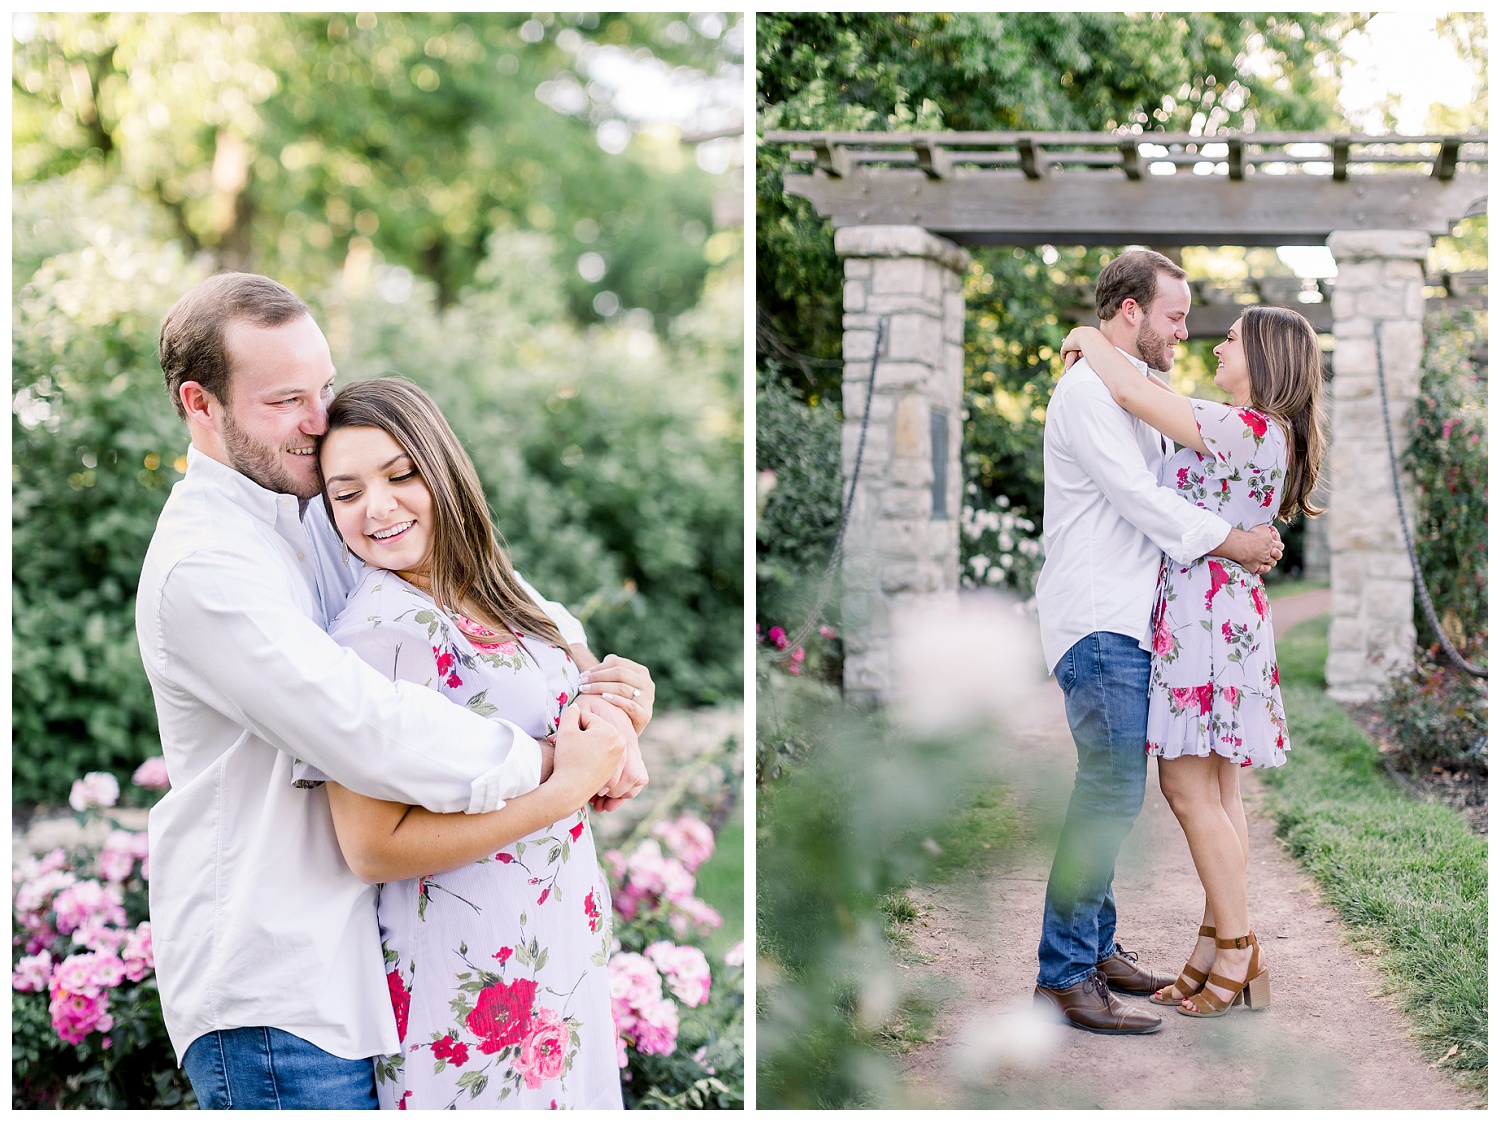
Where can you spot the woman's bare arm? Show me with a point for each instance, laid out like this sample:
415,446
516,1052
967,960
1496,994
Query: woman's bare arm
384,841
1164,409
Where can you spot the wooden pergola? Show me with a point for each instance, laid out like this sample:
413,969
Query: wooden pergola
903,204
1162,189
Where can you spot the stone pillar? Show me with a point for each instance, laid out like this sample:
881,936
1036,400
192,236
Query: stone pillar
1379,286
902,542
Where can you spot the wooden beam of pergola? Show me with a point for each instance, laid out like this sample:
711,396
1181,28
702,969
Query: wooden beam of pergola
997,208
1108,189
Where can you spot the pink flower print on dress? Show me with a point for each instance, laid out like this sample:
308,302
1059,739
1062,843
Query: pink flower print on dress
1258,598
1182,477
455,1052
591,910
400,1002
502,1014
1231,695
1254,422
1162,642
1204,696
1218,577
502,955
576,832
544,1049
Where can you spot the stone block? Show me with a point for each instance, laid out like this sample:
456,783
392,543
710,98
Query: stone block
1346,633
915,337
1401,346
1353,327
911,426
894,377
901,275
1353,356
1342,304
953,317
875,466
855,293
1381,303
858,268
1416,303
1359,274
1404,269
898,303
859,346
898,241
1355,245
1351,385
908,578
906,502
860,321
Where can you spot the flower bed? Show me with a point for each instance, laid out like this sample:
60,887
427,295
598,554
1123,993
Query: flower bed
86,1018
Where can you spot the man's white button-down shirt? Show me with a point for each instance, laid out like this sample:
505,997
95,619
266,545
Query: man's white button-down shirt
1107,520
256,919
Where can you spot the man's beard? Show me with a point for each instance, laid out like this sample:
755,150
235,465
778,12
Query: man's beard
261,463
1156,350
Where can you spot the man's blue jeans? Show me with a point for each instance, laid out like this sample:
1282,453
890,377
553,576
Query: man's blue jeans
1105,679
268,1069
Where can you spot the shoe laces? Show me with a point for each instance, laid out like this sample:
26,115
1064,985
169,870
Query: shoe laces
1097,983
1129,956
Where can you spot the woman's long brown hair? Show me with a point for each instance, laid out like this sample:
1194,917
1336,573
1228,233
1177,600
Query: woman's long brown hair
469,563
1286,383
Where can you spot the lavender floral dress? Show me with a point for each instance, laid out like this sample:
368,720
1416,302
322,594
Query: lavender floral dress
497,971
1214,682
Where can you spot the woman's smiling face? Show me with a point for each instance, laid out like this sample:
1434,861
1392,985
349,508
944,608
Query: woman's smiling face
381,505
1233,372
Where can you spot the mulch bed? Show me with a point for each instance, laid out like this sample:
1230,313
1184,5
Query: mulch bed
1466,790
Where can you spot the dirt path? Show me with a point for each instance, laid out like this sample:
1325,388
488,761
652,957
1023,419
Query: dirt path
1328,1041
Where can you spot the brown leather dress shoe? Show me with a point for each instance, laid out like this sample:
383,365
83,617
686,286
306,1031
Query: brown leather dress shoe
1124,974
1089,1005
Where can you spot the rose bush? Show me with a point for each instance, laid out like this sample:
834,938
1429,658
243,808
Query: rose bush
86,1017
86,1025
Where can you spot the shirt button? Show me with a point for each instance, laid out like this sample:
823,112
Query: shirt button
299,555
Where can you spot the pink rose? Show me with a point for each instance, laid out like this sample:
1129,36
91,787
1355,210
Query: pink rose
1162,642
1218,577
1258,598
544,1049
1231,695
686,971
32,973
1204,696
97,788
152,775
1254,422
777,636
502,1014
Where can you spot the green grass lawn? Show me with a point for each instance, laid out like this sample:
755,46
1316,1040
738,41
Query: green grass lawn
721,885
1407,877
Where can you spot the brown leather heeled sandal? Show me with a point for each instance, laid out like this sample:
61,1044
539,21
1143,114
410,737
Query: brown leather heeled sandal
1190,976
1255,990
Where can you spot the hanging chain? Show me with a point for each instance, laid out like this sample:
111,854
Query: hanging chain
1422,596
826,584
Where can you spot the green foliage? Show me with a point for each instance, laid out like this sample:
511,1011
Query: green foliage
843,824
800,443
445,129
611,455
1408,877
1449,461
1438,715
93,445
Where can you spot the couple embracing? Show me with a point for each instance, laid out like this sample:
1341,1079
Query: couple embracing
373,877
1155,623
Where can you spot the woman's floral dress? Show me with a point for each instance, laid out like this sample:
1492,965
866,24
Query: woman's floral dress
1214,682
497,971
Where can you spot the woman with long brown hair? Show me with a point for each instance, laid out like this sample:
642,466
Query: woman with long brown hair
495,937
1215,702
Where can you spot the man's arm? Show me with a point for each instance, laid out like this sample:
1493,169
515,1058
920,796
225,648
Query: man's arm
1098,434
230,633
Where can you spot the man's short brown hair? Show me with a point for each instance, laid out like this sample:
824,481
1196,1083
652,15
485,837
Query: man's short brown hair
191,343
1132,276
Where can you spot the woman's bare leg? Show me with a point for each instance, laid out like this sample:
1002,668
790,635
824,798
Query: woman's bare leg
1194,789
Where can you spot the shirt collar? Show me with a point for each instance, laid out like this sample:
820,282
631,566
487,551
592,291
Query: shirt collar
1138,363
239,488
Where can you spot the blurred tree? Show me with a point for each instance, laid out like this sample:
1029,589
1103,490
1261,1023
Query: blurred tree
295,143
1182,72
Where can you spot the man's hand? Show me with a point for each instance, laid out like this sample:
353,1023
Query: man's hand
623,683
631,778
1257,550
588,756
